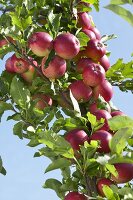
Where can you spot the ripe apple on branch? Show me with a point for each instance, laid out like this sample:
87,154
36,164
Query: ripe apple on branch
55,83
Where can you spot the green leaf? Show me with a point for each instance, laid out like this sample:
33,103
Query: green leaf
5,50
118,2
119,140
15,20
120,71
15,117
18,129
95,124
119,159
108,192
118,122
105,38
57,164
33,142
83,39
0,164
26,22
75,105
57,143
46,152
5,106
111,169
90,1
54,185
126,191
19,93
2,169
124,13
54,20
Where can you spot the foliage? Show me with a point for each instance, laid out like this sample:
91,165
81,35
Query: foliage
48,126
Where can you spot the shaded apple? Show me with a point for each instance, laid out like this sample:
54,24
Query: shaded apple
42,101
9,66
93,75
75,196
104,61
80,91
83,63
19,65
96,32
40,43
4,42
55,69
95,50
89,33
76,137
104,89
104,138
125,172
105,115
29,75
101,182
66,45
117,113
84,20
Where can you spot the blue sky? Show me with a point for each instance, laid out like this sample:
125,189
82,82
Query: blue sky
25,174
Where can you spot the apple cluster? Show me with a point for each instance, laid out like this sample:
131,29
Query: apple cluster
91,64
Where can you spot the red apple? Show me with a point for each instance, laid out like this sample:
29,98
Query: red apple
89,33
4,42
125,172
93,107
55,69
66,45
104,138
75,196
104,89
83,63
93,75
96,32
19,65
101,182
76,137
117,113
80,91
104,61
95,50
84,20
9,65
40,43
42,101
30,74
105,115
